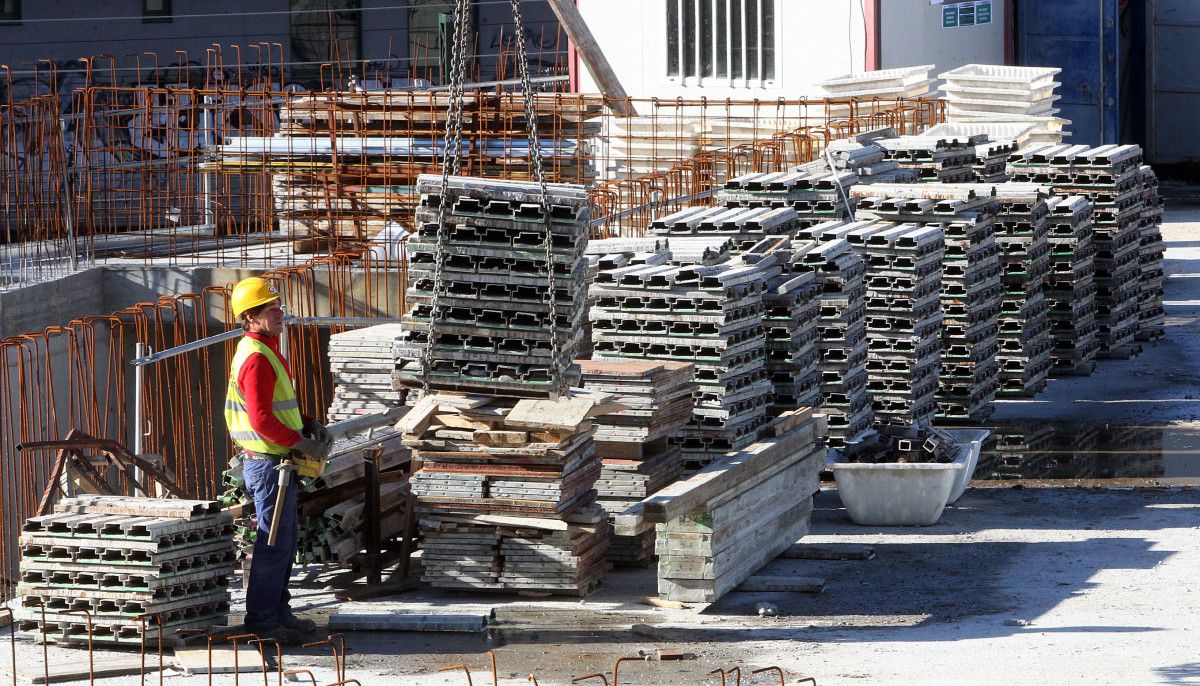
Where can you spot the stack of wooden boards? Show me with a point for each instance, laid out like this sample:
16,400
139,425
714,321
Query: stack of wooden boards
332,515
720,525
362,362
492,328
134,569
505,491
636,457
345,164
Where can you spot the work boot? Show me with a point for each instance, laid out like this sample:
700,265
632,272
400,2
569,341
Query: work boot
285,635
300,624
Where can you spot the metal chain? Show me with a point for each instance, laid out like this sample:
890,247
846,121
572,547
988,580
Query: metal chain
558,373
451,163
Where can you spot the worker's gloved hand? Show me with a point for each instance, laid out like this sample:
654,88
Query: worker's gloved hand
312,448
318,432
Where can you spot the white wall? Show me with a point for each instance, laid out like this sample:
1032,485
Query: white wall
818,39
911,33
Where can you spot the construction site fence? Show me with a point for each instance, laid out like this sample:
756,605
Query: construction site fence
139,174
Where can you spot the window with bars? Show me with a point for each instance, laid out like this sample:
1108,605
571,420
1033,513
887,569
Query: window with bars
728,39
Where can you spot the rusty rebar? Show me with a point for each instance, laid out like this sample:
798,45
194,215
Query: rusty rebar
778,671
337,663
305,672
721,671
597,675
233,640
464,668
278,657
91,655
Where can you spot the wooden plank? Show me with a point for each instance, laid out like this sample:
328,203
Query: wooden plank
818,551
66,670
589,51
419,418
564,414
782,584
716,479
501,437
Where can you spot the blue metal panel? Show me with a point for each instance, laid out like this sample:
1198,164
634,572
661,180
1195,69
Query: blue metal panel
1080,36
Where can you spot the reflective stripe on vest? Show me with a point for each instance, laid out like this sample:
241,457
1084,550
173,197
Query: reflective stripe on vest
284,405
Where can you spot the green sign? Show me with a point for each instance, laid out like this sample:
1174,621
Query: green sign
983,12
966,14
949,16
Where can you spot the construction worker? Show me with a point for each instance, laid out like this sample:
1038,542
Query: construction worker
263,417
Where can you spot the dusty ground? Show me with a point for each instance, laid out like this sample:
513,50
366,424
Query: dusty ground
1014,585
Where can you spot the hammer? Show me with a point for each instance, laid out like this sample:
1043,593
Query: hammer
286,467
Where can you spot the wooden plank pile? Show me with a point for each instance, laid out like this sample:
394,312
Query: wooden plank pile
1070,290
1110,177
362,362
1151,315
636,456
493,328
505,488
123,560
711,316
331,506
719,526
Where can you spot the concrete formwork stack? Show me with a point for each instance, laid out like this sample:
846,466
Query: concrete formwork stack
743,226
1022,231
1151,316
903,313
494,328
1109,176
504,482
637,459
791,306
945,160
970,288
362,362
811,190
840,317
711,316
118,570
1070,289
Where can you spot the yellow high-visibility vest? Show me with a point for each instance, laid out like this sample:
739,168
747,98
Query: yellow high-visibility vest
283,403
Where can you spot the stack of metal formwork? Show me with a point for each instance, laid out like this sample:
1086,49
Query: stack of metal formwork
362,362
138,568
331,506
1151,315
903,314
946,160
991,160
1022,231
841,328
791,305
1070,291
1109,176
868,161
812,190
635,453
970,287
533,463
494,333
744,226
711,316
904,318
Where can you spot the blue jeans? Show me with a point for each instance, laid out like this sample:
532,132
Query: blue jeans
267,596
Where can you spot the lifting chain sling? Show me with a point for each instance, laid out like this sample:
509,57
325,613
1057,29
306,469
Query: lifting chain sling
451,164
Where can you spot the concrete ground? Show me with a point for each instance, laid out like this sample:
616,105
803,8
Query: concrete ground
1015,585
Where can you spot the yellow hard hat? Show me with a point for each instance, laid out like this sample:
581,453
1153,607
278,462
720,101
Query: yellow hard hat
250,293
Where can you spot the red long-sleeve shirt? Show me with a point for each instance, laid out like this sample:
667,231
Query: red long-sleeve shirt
256,379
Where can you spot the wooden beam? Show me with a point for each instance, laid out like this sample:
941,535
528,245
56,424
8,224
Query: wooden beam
585,44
